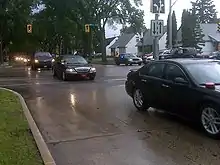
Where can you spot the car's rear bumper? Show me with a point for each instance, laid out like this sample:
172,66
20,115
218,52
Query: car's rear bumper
81,75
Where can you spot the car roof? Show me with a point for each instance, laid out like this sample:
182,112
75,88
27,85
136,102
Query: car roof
185,61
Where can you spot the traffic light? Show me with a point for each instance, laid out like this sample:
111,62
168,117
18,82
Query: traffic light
157,6
218,28
87,28
29,28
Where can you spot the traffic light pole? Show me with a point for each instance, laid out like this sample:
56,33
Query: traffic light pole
156,43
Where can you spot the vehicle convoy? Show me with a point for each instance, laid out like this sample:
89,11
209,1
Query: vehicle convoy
68,67
181,52
128,59
41,60
189,88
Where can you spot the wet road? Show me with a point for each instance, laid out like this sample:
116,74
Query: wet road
95,123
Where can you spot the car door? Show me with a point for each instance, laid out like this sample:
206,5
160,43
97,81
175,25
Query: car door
178,96
151,78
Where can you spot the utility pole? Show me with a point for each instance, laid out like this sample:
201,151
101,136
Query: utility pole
156,42
170,26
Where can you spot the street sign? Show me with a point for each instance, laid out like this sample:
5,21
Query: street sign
157,27
29,28
157,6
87,28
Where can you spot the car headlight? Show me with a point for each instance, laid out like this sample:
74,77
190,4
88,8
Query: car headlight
36,61
129,59
92,70
71,70
53,60
29,60
25,60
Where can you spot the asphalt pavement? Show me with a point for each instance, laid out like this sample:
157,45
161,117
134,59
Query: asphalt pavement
95,122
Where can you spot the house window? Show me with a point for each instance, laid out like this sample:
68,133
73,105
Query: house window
137,39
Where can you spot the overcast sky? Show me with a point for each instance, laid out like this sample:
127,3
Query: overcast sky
178,7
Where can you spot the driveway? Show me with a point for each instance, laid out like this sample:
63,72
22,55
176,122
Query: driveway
95,122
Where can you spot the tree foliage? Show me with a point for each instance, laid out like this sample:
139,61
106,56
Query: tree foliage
205,10
174,30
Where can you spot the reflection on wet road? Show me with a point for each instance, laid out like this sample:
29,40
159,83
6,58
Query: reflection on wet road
88,123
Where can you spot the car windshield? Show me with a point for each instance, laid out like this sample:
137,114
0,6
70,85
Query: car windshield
204,73
43,54
75,60
129,55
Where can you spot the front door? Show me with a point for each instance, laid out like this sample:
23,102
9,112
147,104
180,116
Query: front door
179,96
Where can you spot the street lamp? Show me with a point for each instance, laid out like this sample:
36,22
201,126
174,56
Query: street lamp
170,23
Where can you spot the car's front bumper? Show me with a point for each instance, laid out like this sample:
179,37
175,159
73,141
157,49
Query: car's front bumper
43,65
74,75
129,88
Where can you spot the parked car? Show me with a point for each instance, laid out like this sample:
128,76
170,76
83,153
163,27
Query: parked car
128,59
147,57
189,88
215,55
41,60
181,52
73,66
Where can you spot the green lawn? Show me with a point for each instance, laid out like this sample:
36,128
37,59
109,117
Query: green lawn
17,146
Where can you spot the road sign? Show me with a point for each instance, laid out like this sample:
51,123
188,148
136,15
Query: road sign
157,6
157,27
87,28
29,28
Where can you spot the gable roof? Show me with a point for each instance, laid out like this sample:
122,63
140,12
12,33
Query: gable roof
122,40
210,31
148,39
109,40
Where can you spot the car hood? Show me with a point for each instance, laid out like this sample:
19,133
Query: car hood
132,58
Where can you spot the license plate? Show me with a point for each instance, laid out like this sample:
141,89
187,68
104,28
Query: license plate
45,66
83,75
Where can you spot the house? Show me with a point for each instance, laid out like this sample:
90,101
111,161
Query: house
211,38
108,43
147,45
126,43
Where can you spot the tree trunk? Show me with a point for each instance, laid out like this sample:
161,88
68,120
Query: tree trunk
1,51
103,46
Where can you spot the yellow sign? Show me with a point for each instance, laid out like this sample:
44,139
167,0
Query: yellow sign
29,28
87,28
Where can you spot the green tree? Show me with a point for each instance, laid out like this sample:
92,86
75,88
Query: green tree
174,30
205,10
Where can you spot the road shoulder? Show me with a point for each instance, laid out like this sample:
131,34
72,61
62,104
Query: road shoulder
43,149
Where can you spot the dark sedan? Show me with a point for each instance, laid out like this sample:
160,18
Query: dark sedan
189,88
41,60
73,66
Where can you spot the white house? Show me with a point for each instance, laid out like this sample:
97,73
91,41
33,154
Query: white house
126,43
147,44
109,43
211,38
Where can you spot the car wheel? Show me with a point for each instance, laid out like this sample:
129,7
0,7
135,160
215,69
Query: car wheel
64,76
210,120
138,100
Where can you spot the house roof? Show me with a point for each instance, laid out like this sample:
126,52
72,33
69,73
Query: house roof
148,39
122,40
109,40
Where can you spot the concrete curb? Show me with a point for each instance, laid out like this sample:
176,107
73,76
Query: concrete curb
42,146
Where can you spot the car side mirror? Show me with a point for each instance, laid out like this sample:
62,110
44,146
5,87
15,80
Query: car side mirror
180,80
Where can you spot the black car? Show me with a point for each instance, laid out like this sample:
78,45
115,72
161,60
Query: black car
73,66
215,55
181,52
41,60
189,88
128,59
